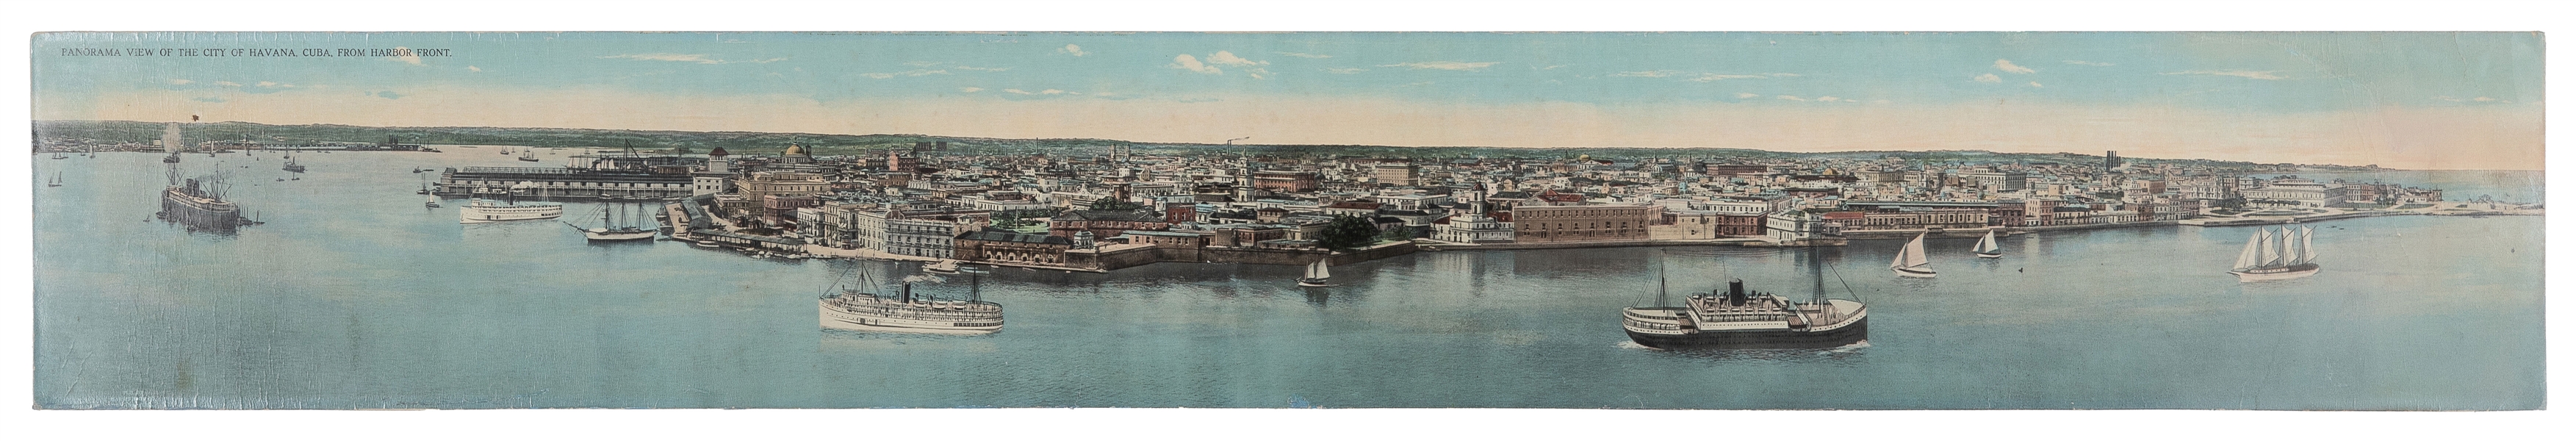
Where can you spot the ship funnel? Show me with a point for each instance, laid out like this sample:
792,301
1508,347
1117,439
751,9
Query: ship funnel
907,293
1735,292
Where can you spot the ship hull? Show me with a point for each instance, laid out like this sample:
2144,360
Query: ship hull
1990,256
198,213
1314,282
836,318
1914,273
2269,274
477,213
1764,339
617,235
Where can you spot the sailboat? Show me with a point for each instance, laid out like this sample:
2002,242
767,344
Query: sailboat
2283,256
1316,275
529,155
1987,248
57,182
59,155
1911,261
610,229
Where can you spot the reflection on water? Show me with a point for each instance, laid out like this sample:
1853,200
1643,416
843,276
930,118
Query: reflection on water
355,296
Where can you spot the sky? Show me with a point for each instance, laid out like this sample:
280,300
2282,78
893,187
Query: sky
2415,100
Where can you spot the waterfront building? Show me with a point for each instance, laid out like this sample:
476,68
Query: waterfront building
1286,181
1105,223
2292,192
1582,223
1397,174
1004,246
782,183
561,182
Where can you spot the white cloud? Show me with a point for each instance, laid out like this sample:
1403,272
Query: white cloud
1444,65
2482,99
1257,73
2087,63
227,84
408,57
2254,74
2036,84
180,81
1648,74
1076,50
472,68
921,63
1553,67
689,58
1345,70
1748,95
1776,74
1716,77
1224,58
909,73
2008,66
1790,97
1190,63
275,84
1016,91
1989,78
1829,98
1299,55
980,69
970,89
1051,92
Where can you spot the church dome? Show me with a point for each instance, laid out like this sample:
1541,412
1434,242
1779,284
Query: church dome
719,151
793,150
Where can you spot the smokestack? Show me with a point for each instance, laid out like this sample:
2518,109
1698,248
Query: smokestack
907,293
1735,292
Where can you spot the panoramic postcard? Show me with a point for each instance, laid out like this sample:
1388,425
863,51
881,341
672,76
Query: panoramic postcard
2292,221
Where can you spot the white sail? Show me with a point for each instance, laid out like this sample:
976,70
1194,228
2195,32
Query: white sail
2307,251
2268,256
1318,271
2249,257
1988,245
1912,256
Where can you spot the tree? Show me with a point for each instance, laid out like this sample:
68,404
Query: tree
1347,232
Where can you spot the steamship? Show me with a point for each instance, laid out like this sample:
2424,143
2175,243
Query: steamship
1739,319
191,204
858,310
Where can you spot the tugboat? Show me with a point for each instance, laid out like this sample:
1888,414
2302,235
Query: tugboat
1316,275
291,165
858,310
1741,319
2269,256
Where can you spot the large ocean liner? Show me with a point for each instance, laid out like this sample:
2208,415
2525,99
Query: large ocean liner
856,309
507,209
192,204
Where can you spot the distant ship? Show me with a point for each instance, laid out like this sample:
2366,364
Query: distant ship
610,229
1987,248
1911,262
291,165
1740,319
941,267
529,155
859,310
57,181
2269,256
1316,275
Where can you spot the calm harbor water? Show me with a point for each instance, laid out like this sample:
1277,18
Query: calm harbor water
355,296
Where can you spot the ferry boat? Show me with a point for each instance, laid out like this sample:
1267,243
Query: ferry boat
857,310
487,210
2269,256
1911,261
941,267
1317,275
1740,319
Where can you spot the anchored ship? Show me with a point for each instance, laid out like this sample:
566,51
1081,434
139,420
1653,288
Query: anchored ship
1911,262
610,229
943,266
2282,256
192,204
859,310
1740,319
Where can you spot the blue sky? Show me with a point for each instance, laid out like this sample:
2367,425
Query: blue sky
1615,81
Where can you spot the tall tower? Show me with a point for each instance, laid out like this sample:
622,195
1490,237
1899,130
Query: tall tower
717,161
2110,160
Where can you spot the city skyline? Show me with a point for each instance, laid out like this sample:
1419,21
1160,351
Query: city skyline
2399,100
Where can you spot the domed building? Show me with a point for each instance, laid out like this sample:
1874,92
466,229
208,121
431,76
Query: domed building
796,154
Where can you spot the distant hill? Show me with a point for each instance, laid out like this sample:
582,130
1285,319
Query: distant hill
827,144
